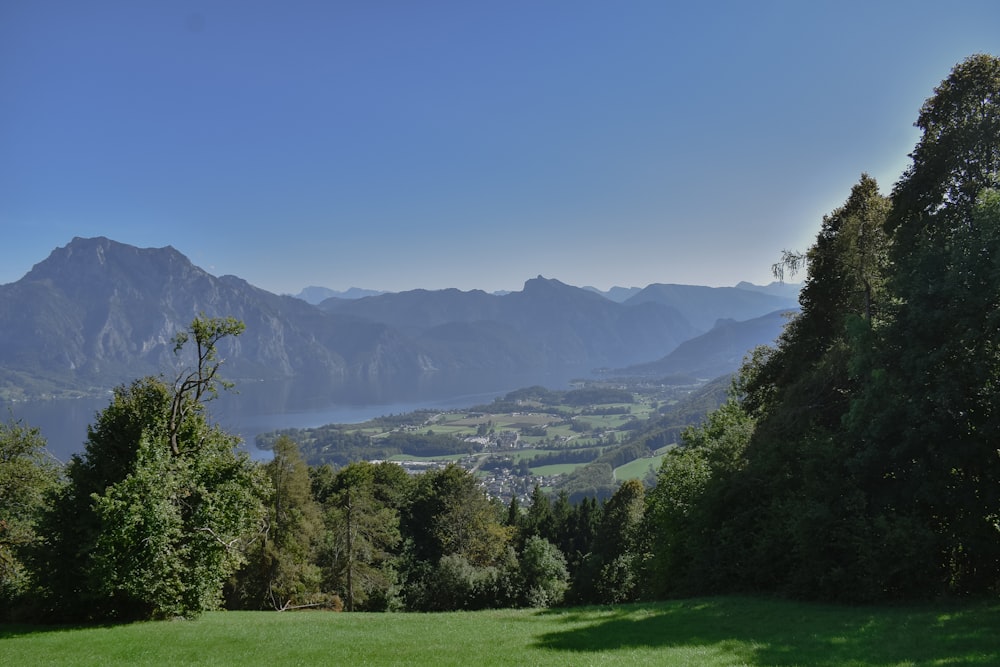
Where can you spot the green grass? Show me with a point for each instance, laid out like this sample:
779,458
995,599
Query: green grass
718,631
639,468
556,469
528,453
443,457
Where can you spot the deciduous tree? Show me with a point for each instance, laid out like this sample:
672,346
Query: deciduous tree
27,475
160,508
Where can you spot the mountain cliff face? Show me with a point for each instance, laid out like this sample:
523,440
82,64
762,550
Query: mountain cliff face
96,313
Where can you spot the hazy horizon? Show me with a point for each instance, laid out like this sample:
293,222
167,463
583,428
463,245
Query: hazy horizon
464,145
520,286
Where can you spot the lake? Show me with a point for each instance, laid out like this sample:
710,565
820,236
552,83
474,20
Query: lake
260,407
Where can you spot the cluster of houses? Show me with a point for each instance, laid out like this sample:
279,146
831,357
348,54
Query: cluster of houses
502,483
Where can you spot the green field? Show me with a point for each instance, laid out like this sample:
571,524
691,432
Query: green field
443,458
717,631
639,468
556,469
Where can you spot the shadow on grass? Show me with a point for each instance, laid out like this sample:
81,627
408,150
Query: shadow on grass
774,632
20,628
12,630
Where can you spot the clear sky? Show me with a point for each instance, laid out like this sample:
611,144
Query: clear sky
471,144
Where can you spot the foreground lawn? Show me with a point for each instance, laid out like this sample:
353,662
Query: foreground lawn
717,631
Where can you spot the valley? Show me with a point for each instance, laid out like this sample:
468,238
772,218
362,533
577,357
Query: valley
581,441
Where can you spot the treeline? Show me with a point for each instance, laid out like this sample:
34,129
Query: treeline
549,399
607,411
160,518
596,396
381,540
341,445
857,460
581,455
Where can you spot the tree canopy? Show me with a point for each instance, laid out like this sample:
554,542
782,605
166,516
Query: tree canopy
870,470
159,509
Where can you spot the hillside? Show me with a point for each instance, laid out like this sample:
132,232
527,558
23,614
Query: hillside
718,351
548,323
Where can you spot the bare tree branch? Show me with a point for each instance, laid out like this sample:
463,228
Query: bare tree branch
791,261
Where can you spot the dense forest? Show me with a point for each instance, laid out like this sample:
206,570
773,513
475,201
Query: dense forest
856,460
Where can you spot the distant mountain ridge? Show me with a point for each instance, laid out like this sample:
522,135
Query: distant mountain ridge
777,288
616,294
97,312
718,351
316,295
548,320
703,307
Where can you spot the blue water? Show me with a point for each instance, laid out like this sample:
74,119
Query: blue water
263,407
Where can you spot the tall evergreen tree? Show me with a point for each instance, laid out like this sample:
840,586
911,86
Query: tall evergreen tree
282,569
538,521
928,415
618,551
783,505
362,532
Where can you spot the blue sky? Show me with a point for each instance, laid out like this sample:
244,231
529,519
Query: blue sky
472,144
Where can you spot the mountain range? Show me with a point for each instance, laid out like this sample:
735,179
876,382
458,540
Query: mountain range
96,313
315,294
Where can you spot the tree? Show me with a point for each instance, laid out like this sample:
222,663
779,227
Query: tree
362,530
27,476
515,515
71,525
538,520
956,157
846,274
192,387
930,456
160,509
451,514
777,500
618,548
672,520
562,523
455,534
176,528
282,571
544,577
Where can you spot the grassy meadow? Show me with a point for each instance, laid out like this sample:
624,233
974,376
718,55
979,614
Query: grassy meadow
712,631
639,468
